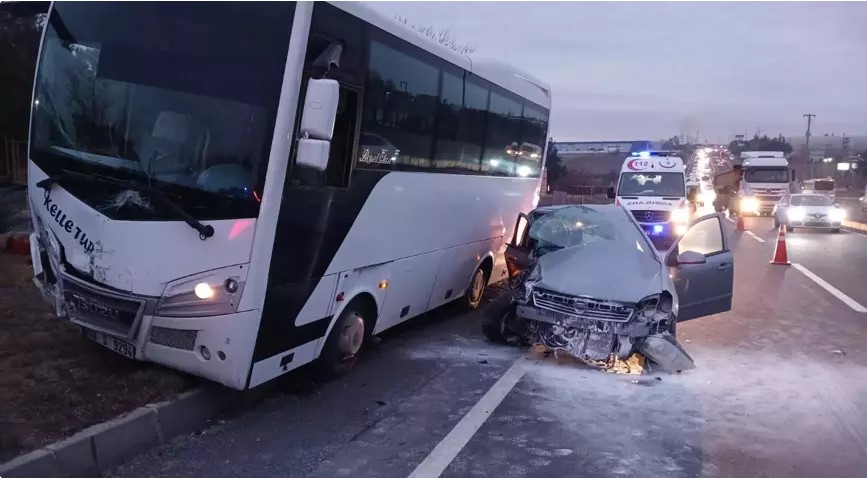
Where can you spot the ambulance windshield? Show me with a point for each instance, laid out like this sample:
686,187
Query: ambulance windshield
666,184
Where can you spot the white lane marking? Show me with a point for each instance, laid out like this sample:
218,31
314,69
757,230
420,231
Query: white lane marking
754,236
449,447
830,289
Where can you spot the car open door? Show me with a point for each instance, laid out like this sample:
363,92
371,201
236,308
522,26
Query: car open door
517,252
702,268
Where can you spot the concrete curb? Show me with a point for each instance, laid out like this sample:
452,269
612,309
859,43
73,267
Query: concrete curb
105,445
855,225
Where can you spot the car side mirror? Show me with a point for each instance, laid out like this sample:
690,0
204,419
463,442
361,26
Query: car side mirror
610,192
690,257
317,123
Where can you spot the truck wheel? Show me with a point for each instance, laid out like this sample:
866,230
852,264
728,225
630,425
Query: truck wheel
341,349
776,222
789,229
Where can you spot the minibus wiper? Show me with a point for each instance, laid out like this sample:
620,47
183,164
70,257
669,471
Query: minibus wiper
205,230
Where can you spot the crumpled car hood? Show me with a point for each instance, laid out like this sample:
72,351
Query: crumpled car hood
599,270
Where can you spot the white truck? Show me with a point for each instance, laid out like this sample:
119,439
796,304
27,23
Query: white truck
653,188
753,183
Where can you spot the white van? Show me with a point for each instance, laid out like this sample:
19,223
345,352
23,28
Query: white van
653,189
825,186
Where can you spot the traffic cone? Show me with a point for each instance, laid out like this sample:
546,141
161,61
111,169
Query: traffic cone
781,256
740,224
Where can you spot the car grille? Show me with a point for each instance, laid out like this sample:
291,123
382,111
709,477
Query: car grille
92,307
651,216
174,338
581,306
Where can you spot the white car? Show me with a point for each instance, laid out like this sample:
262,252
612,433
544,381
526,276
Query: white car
587,280
808,211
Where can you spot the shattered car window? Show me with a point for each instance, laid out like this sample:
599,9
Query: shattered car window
575,226
705,237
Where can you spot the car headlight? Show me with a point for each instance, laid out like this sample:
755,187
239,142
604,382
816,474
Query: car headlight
796,214
838,215
749,204
679,216
211,293
655,309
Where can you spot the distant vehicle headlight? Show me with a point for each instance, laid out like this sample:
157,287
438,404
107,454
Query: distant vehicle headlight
679,216
838,215
749,204
707,197
796,214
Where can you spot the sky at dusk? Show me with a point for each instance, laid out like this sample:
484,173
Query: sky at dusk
652,70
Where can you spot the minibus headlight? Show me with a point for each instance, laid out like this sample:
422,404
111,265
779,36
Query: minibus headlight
210,293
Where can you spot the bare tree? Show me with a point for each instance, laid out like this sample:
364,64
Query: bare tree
441,36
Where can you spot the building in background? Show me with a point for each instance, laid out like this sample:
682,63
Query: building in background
20,32
594,164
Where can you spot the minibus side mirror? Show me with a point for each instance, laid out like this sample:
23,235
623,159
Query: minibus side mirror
317,123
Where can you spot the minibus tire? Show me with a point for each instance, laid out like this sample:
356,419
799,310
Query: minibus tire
335,359
475,290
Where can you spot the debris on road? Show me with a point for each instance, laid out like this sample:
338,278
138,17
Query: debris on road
838,352
664,350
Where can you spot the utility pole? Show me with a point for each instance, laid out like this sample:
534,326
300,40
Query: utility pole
809,159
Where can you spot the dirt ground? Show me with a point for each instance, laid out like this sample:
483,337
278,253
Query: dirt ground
53,382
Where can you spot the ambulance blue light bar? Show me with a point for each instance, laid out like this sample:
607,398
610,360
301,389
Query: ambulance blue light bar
646,154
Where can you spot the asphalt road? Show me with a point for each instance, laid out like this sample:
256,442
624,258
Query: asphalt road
780,390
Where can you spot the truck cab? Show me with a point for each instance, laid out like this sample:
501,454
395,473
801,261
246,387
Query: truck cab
653,188
765,179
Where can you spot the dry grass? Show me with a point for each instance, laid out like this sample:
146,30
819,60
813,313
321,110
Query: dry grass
53,382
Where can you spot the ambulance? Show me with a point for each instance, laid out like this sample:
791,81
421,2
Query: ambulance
652,186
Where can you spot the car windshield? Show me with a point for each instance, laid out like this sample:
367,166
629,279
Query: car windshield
668,184
769,174
574,226
168,93
812,201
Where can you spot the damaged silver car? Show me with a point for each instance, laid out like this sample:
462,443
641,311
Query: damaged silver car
585,279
